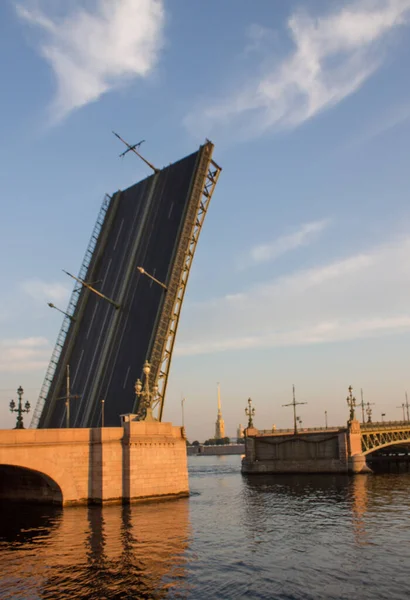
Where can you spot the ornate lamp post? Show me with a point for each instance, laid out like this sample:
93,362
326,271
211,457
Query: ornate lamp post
146,396
19,410
369,413
351,402
250,412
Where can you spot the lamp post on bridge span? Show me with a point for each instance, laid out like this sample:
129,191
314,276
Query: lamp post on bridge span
295,404
351,402
147,397
369,413
19,410
403,406
102,412
51,305
362,405
182,410
250,412
68,397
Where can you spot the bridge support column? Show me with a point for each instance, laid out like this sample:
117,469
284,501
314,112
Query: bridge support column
356,460
250,450
357,464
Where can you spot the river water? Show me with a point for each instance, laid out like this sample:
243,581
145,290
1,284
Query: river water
288,537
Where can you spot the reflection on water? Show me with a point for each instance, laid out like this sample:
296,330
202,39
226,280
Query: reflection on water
115,552
296,537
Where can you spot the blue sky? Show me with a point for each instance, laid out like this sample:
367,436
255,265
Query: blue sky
302,273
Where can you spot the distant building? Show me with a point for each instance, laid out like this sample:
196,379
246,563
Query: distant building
239,432
220,423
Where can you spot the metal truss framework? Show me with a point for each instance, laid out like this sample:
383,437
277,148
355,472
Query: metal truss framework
203,188
380,435
69,313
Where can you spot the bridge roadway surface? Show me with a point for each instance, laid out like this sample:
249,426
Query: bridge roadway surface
104,368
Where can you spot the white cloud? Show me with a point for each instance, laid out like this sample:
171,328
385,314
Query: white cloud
94,52
333,56
22,355
360,296
42,291
335,331
306,234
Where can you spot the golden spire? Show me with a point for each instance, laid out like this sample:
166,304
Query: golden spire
220,424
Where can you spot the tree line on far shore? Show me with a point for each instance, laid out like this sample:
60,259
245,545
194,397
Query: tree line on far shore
216,442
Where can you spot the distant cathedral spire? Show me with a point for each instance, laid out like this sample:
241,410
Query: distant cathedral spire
220,424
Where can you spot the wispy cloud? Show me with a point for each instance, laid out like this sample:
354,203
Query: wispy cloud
92,52
25,354
258,36
359,296
303,236
322,332
334,54
43,291
399,115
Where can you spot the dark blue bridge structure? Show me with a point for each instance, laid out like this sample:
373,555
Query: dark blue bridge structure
128,317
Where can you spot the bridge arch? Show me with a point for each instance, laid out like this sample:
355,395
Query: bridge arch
25,485
34,480
378,443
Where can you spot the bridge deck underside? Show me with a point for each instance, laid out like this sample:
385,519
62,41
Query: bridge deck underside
106,347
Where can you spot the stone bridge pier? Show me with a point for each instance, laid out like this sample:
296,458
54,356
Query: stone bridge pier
138,461
319,450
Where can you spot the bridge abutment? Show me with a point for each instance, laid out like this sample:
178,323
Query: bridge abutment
138,461
335,450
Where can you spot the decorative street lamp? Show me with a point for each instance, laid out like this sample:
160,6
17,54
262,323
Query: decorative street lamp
146,396
351,402
369,413
250,412
325,419
19,410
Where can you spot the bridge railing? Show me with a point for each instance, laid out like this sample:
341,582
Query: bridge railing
300,430
385,425
365,428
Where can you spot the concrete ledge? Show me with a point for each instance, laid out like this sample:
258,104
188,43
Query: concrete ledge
294,466
124,501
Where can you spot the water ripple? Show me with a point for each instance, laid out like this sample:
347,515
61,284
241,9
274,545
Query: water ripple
281,537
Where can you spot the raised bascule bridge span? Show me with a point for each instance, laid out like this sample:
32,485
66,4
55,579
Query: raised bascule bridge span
127,300
97,433
321,450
